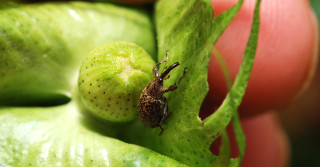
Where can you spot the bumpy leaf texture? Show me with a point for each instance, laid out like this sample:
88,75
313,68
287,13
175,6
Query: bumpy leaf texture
41,47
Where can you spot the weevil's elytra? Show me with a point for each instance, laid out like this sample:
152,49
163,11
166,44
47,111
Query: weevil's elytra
153,107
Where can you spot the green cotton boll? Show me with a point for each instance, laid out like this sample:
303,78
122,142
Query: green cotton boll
42,45
62,135
111,79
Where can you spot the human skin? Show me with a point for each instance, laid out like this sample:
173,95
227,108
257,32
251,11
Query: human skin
266,142
285,59
284,65
303,115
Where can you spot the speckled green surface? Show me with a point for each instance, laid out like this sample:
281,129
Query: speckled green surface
186,35
189,38
111,79
63,135
40,43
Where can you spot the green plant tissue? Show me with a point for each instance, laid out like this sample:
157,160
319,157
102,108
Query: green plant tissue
41,48
44,42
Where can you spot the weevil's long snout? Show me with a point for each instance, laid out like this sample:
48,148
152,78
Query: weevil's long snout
165,73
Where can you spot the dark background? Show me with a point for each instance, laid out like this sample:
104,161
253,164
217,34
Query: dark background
301,120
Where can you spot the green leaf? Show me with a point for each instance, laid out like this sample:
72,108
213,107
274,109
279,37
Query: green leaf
315,4
184,29
182,32
239,134
234,97
223,20
229,107
61,136
44,42
248,55
225,149
188,32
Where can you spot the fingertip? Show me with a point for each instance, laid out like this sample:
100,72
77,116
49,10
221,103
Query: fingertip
267,143
286,56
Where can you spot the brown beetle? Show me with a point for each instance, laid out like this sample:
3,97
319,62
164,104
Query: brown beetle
153,107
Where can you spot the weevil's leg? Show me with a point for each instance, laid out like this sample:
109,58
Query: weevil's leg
161,122
171,88
154,70
169,114
165,115
184,73
175,86
161,130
